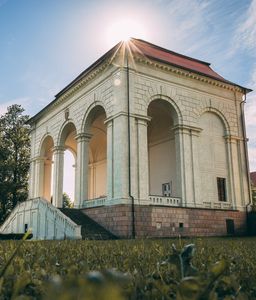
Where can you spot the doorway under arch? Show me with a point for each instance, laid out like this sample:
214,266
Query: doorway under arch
162,149
97,167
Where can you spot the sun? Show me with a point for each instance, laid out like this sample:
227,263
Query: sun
124,29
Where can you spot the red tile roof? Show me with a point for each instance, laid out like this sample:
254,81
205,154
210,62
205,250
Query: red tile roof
253,178
157,53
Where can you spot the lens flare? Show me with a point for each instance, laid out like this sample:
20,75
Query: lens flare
125,29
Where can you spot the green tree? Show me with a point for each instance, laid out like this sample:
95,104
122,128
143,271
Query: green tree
14,159
67,203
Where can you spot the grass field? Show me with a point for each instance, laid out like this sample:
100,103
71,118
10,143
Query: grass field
128,269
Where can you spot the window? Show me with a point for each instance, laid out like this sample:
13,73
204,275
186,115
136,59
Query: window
167,189
221,186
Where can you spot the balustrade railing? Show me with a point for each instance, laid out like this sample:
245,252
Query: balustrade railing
94,202
217,205
167,201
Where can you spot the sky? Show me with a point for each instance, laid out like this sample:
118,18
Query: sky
45,44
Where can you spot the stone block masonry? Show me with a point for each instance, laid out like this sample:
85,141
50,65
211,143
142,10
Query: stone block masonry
162,221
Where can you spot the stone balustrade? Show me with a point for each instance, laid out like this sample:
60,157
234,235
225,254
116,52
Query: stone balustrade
217,205
94,202
167,201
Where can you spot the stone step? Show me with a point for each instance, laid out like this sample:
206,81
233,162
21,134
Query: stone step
90,230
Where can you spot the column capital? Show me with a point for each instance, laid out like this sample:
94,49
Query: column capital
186,129
37,159
142,120
233,138
58,149
83,137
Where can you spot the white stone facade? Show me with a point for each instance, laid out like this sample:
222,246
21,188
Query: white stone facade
185,129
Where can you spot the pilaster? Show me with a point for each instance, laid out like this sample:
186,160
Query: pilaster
186,142
142,160
235,170
110,161
120,155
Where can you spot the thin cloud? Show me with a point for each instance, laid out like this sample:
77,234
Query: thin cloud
246,32
25,102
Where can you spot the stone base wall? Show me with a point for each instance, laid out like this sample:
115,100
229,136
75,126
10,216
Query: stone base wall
159,221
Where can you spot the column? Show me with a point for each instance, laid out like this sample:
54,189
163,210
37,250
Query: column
81,172
31,179
233,143
58,168
230,181
38,177
180,169
142,164
195,163
110,169
120,159
187,164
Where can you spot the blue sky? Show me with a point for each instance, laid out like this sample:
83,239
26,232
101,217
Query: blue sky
44,44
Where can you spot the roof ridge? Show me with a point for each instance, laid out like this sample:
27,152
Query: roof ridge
172,52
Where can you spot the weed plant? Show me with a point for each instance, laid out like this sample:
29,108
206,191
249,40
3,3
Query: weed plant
183,269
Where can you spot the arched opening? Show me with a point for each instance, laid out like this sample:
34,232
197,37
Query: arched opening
97,168
161,149
69,143
213,160
46,168
69,174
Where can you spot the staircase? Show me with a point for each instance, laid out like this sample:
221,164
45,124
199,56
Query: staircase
90,230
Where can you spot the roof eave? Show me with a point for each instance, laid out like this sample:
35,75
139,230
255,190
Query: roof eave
247,90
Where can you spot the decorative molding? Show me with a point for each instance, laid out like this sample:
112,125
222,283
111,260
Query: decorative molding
122,113
83,137
234,138
187,129
57,149
189,74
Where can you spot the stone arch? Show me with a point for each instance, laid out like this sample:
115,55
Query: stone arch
45,171
162,149
66,129
88,114
94,125
176,110
219,114
42,142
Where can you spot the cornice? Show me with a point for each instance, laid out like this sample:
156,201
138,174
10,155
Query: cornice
188,74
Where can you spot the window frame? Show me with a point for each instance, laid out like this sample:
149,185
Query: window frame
222,189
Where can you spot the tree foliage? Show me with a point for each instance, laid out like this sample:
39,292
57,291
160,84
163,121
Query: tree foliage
67,203
14,158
